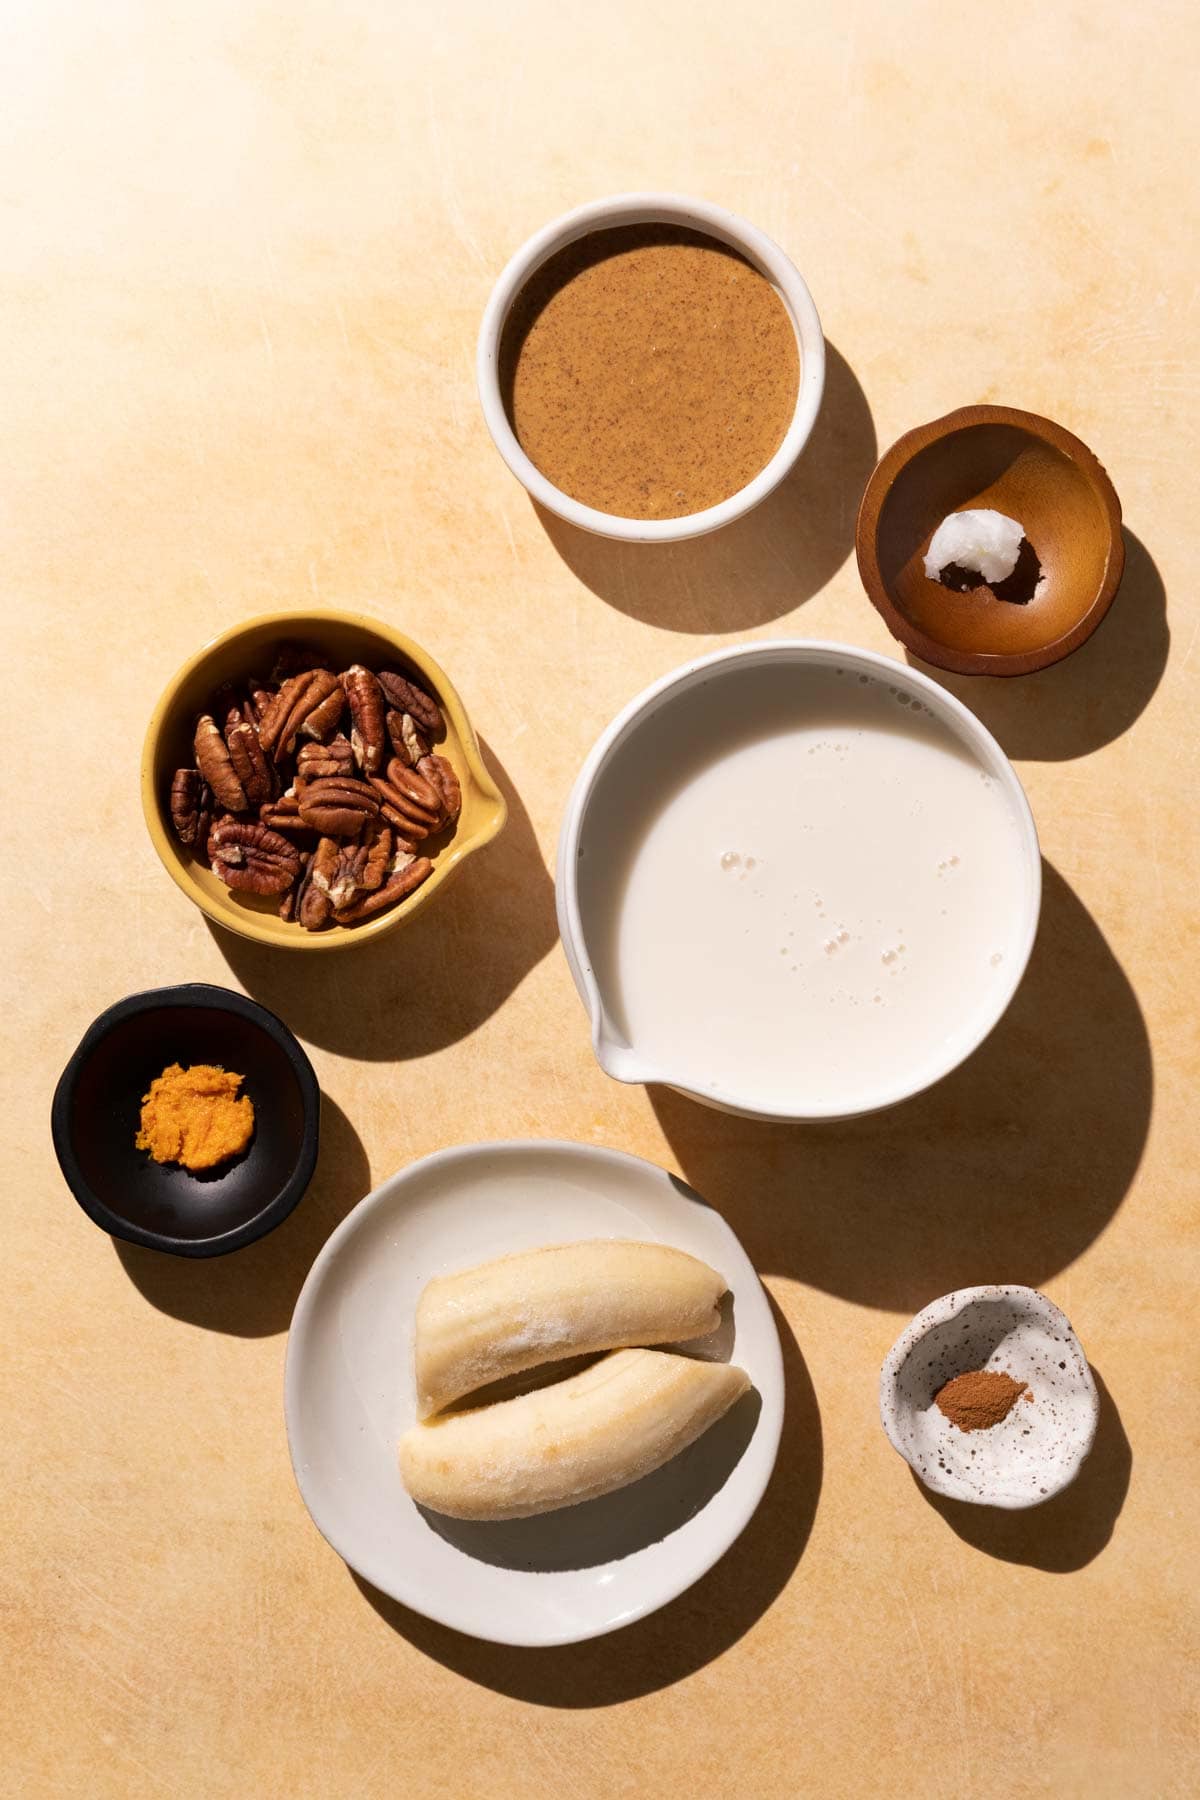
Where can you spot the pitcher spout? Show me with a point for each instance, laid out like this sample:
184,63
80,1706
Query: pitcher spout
621,1061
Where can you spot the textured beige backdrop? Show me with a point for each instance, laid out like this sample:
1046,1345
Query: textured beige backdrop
245,246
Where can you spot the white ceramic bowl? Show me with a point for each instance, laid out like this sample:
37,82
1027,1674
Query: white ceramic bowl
349,1396
638,209
1041,1446
621,1059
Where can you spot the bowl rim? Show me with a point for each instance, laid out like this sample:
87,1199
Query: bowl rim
292,623
196,994
653,208
698,670
875,495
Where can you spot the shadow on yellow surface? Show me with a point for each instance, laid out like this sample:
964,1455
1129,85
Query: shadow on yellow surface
435,980
761,566
252,1292
1004,1172
693,1630
1081,704
1068,1531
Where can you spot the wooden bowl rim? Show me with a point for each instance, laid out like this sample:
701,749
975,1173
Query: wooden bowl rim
883,478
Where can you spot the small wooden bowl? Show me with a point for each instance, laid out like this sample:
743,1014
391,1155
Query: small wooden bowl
1018,464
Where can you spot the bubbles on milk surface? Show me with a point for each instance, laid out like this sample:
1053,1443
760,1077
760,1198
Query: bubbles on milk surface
734,862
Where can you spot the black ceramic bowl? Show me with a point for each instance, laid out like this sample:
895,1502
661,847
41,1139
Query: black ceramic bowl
97,1109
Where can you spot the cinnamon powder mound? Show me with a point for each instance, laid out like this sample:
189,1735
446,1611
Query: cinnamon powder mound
649,371
979,1399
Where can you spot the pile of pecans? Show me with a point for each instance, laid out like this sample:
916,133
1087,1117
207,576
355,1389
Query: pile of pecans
282,802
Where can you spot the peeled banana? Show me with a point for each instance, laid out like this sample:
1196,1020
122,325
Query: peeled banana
565,1300
618,1420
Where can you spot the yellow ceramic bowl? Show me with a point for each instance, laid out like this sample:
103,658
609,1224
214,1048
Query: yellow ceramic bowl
248,649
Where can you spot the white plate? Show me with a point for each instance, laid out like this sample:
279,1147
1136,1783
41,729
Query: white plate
349,1395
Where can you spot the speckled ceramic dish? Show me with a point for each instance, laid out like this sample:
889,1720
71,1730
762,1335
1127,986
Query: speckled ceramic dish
1042,1444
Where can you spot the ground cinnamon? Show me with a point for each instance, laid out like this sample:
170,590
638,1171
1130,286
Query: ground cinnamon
649,371
979,1399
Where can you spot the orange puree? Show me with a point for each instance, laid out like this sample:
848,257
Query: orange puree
194,1117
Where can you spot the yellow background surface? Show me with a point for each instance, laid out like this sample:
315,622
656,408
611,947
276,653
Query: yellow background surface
245,248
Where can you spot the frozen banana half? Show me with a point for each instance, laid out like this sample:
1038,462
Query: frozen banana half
597,1431
565,1300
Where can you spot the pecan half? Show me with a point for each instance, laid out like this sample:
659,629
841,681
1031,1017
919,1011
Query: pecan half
323,867
310,703
368,733
304,902
259,698
408,801
250,857
342,888
377,855
284,815
191,807
337,805
394,889
313,908
439,773
214,764
406,737
358,868
334,758
249,762
406,838
287,902
406,697
240,703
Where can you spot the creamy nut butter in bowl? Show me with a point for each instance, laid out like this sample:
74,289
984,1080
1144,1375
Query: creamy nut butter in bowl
650,367
796,881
